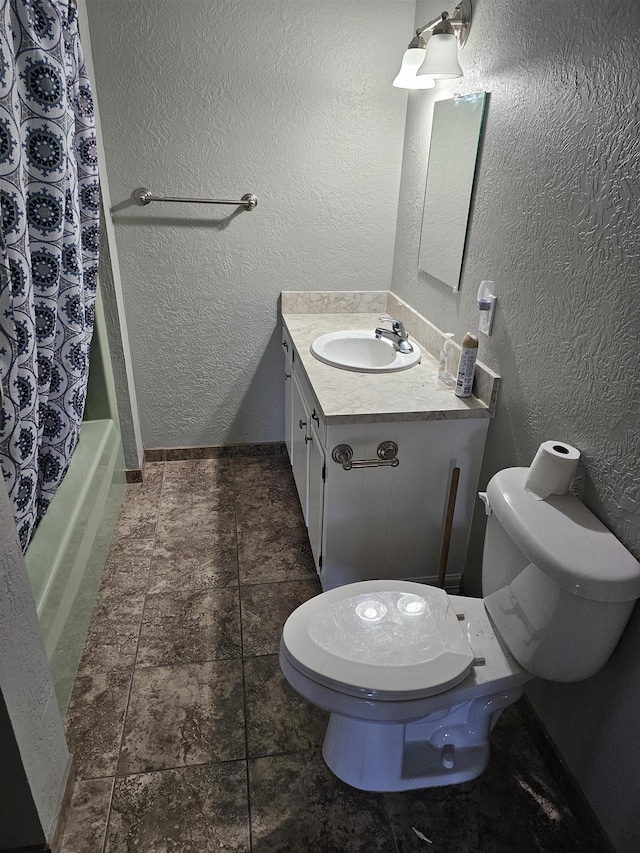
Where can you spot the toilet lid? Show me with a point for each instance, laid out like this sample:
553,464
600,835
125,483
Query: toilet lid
389,640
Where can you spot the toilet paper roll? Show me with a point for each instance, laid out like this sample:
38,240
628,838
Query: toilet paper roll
552,469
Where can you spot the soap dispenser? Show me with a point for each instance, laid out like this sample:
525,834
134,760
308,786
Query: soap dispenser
447,355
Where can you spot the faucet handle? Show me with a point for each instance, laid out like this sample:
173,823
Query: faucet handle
398,325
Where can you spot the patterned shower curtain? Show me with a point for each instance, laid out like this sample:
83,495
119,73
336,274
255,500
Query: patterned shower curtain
49,234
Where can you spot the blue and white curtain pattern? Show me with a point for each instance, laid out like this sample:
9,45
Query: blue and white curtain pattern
49,233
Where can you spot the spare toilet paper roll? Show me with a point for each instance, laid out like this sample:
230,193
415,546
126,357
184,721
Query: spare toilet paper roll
552,469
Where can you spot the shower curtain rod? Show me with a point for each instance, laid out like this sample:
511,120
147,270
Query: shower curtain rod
144,196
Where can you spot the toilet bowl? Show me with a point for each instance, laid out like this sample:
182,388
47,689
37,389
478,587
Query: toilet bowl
415,679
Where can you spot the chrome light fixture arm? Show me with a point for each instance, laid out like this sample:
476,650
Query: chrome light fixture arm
458,24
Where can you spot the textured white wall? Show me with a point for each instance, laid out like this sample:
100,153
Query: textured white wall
111,288
289,99
25,678
227,97
556,224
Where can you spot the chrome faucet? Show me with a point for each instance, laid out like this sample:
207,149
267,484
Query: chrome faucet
397,334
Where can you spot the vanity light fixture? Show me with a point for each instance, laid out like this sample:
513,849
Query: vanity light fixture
425,62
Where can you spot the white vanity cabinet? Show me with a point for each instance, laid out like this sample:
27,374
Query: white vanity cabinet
381,521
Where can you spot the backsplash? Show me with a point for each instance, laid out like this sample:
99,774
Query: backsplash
334,301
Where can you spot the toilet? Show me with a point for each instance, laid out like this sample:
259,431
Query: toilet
415,679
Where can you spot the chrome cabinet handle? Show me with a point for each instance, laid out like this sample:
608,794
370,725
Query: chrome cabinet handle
387,455
285,345
302,424
287,376
315,418
307,439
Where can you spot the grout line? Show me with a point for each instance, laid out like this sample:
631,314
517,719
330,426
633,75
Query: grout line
176,767
387,814
133,668
244,684
108,820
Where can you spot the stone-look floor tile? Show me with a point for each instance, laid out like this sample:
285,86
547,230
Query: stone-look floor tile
198,476
127,567
152,480
139,512
279,720
194,515
190,627
194,562
513,805
179,715
197,809
269,471
298,804
136,522
255,511
265,609
266,476
177,507
113,634
95,719
267,555
86,823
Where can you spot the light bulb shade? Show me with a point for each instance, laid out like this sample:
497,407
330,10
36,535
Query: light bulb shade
441,59
407,79
422,81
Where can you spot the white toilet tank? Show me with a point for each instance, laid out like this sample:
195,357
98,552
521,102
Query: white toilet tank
557,584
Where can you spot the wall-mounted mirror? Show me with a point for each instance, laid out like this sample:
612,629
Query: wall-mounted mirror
455,138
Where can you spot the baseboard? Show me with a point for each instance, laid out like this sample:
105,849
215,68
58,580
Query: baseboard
181,454
133,475
567,783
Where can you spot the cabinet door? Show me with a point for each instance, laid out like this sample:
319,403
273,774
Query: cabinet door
384,522
288,396
300,445
316,497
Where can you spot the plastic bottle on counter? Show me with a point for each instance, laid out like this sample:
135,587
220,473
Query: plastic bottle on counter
467,366
446,360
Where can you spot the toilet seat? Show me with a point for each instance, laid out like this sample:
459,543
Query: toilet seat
391,640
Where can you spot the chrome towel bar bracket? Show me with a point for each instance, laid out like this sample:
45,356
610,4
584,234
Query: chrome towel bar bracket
144,196
387,455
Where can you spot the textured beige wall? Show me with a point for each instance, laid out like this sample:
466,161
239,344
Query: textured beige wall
556,224
290,100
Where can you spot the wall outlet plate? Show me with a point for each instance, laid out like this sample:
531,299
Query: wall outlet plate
485,324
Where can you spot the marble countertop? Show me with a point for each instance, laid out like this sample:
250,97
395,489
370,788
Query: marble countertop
345,396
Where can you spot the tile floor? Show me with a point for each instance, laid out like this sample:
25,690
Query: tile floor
187,738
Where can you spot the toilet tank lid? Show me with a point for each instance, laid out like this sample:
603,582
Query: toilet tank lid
564,540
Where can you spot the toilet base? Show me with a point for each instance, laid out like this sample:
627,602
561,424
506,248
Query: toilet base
444,748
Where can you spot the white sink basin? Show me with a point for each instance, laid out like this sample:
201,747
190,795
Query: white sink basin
361,351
